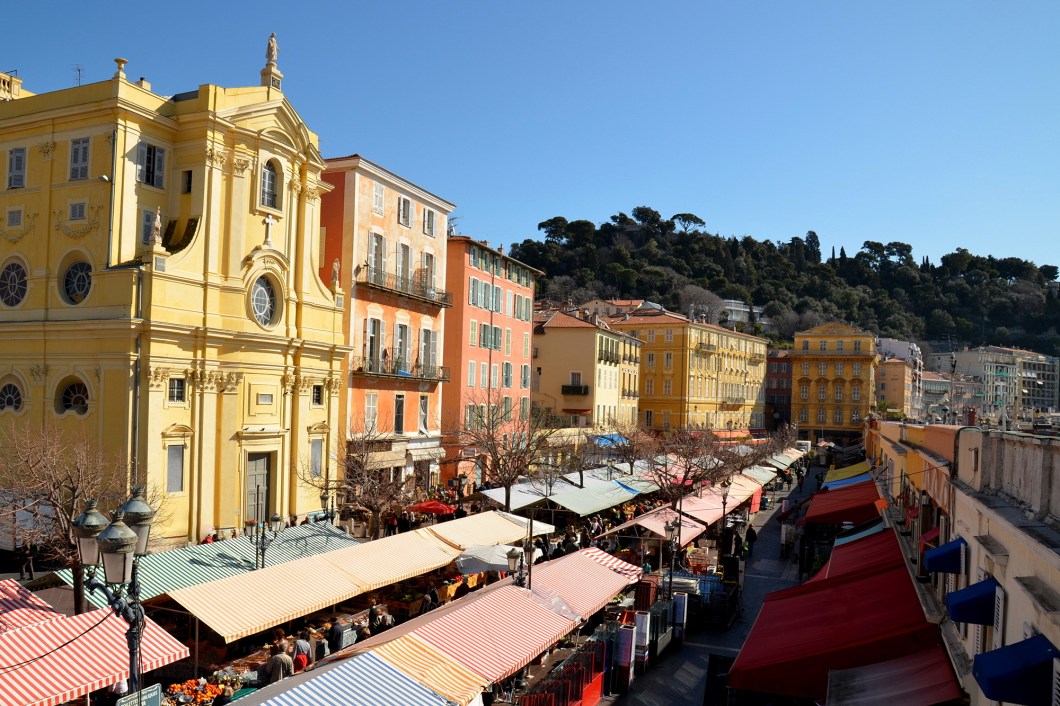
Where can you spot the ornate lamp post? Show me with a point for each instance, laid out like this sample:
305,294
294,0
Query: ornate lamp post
119,544
673,529
259,534
327,504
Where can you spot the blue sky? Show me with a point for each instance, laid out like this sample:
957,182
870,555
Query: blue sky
931,123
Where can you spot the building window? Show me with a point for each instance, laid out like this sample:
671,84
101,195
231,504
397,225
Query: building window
839,394
74,398
371,411
524,408
839,368
318,396
79,158
855,394
839,346
820,414
176,390
399,414
175,468
424,407
263,301
668,360
404,213
77,211
669,335
649,387
483,378
13,285
270,186
804,392
668,387
471,373
507,341
649,360
378,197
16,168
806,345
429,219
77,282
506,409
837,416
821,392
524,377
316,457
494,376
824,345
855,416
650,335
857,346
804,415
14,218
185,181
575,378
526,345
857,368
822,368
507,382
150,165
473,333
805,368
10,397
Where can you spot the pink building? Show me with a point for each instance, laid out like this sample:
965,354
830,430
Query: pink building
488,342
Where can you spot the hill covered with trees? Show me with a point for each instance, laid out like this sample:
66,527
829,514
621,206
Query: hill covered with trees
965,299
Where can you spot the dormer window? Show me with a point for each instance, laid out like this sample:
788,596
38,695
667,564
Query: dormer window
270,186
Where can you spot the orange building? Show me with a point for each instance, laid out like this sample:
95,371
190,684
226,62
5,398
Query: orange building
488,342
385,245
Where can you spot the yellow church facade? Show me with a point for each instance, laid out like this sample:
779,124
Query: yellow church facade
161,293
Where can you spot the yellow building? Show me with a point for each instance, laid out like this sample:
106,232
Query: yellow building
833,369
696,375
160,291
584,371
894,385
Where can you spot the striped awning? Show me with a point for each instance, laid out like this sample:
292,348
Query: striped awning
540,528
363,680
283,592
498,634
168,571
19,607
656,520
62,659
583,581
760,474
481,528
631,572
432,668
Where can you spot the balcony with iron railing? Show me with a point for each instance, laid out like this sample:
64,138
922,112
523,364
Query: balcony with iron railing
413,287
605,357
395,367
706,347
578,390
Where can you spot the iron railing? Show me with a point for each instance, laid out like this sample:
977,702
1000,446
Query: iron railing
398,367
415,287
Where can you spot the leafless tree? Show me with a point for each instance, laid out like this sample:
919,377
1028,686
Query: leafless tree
509,443
701,304
46,479
360,480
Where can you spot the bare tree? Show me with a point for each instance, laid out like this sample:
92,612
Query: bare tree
46,480
509,443
701,304
361,480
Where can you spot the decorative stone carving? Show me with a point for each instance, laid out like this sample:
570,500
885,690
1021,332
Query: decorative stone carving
332,384
294,186
80,230
195,378
215,156
240,165
46,149
29,224
231,381
98,372
305,383
312,194
158,377
287,382
39,372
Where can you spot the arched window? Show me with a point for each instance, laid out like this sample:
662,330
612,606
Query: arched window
74,398
10,397
270,186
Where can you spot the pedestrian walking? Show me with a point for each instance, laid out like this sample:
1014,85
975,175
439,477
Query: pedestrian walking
800,482
751,537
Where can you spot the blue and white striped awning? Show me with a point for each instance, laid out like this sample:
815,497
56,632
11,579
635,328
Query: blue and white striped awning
363,680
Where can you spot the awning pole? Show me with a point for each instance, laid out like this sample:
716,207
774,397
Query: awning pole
196,645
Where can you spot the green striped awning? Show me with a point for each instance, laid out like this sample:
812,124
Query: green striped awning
190,566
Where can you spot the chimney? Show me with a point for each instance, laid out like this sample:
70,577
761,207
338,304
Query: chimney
144,84
500,249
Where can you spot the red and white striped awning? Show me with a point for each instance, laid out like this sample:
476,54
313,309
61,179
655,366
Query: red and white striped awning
498,634
20,607
53,662
585,580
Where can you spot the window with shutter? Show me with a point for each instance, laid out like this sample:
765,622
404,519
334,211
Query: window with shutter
175,469
378,198
473,340
999,618
150,165
471,373
483,378
428,222
494,376
16,168
79,158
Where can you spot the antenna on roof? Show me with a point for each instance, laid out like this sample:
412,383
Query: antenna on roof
77,69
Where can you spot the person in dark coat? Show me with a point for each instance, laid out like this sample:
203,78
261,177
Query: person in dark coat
751,537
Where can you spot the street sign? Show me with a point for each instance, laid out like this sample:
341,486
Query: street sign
151,696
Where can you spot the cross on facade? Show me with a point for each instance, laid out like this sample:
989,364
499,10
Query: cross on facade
269,220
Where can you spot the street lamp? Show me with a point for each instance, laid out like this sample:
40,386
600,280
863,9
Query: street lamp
673,529
119,544
259,535
517,563
327,505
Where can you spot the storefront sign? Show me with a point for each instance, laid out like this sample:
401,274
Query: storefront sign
150,696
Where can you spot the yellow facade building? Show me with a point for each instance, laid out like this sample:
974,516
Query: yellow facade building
696,375
894,385
160,291
833,370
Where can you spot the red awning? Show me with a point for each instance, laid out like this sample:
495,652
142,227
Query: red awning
582,581
924,677
839,622
927,538
854,503
498,634
577,411
877,551
68,657
20,607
